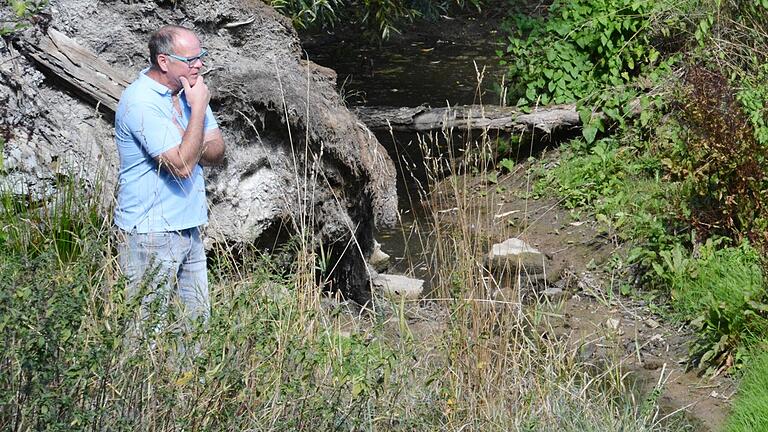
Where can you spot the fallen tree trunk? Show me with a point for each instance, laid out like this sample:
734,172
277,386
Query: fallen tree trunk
470,117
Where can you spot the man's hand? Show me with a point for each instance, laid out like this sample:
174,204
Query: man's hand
198,95
182,159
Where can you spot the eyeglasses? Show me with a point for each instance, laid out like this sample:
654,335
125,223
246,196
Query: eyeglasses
189,60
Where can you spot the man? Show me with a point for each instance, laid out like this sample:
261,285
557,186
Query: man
165,131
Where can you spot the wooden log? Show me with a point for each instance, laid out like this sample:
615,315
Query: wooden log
470,117
78,66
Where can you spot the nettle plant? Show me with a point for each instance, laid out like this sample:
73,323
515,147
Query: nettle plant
589,51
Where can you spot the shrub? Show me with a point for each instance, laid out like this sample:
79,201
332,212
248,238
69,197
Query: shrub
721,160
601,54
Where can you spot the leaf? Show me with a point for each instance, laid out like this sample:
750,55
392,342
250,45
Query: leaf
585,115
612,113
507,164
530,94
184,378
19,7
590,133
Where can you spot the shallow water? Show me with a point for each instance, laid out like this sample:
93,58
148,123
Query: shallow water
448,63
425,69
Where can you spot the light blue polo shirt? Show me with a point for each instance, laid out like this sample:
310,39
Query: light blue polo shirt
150,199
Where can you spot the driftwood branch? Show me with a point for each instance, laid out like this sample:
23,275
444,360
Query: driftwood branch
78,66
472,117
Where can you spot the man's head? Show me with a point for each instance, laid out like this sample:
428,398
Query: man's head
175,52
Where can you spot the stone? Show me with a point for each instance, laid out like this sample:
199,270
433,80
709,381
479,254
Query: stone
652,323
553,294
613,323
513,255
379,260
397,286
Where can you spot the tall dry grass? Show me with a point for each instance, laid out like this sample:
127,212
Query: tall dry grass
279,355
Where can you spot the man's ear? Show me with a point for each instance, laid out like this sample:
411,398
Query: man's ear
162,62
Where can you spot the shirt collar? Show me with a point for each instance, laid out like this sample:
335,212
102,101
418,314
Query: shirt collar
154,85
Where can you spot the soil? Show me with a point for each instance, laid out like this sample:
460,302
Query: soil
598,322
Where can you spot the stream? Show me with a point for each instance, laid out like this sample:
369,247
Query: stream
440,65
453,62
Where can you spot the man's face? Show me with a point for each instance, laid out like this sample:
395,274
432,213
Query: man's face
186,45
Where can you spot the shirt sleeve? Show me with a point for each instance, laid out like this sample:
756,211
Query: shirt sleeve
210,121
152,128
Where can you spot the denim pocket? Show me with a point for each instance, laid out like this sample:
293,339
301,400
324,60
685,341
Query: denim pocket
157,240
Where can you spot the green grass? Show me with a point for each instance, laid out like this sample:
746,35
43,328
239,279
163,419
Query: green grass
618,183
717,276
722,292
750,408
276,356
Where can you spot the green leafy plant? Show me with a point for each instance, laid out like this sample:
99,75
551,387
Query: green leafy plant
720,159
722,292
581,48
23,11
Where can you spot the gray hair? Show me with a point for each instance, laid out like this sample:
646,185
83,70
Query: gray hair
162,42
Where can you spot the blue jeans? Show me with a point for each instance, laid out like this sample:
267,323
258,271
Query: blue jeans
166,267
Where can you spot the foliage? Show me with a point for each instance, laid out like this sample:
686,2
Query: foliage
275,355
598,53
749,411
21,13
619,184
723,292
703,166
378,18
721,159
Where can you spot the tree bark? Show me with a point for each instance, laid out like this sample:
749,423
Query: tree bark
78,66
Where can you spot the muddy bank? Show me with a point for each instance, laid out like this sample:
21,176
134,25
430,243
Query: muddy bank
581,289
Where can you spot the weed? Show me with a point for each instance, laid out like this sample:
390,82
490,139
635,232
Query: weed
722,291
24,11
750,408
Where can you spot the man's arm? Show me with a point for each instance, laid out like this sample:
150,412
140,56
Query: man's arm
182,159
213,148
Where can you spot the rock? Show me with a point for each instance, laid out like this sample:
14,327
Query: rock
399,286
651,323
652,363
513,255
379,260
613,323
553,294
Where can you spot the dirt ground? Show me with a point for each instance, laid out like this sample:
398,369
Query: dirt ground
596,320
595,316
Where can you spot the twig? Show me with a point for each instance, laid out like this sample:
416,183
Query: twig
240,23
